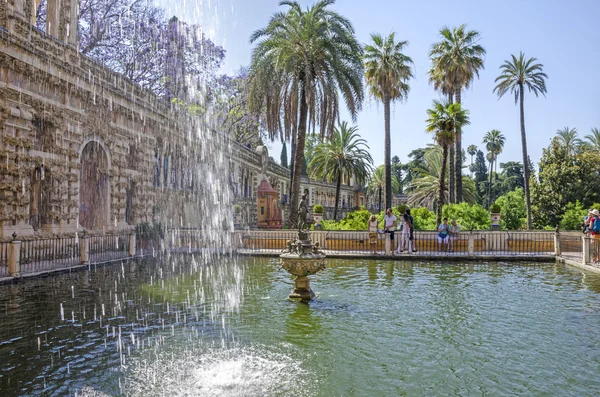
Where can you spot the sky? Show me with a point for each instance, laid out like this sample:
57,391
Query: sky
562,35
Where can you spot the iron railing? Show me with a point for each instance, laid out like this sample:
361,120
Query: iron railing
108,247
48,253
571,245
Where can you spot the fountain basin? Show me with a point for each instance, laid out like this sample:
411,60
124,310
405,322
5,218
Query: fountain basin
301,266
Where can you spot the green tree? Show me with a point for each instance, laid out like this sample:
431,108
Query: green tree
443,121
513,214
480,175
388,71
515,75
593,139
472,150
397,172
424,188
564,179
573,216
424,219
284,161
376,185
344,156
469,216
457,59
494,143
303,61
568,138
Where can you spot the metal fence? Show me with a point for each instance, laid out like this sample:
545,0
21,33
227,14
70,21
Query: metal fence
571,245
48,253
424,243
108,247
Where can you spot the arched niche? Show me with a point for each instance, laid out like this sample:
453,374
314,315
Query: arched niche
94,187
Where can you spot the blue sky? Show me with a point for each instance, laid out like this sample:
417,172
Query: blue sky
562,35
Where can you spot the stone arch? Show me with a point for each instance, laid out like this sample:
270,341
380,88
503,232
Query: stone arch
94,186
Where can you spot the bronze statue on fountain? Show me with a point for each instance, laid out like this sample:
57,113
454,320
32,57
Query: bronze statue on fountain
301,257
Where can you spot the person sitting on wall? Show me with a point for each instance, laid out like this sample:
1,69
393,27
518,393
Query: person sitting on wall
443,234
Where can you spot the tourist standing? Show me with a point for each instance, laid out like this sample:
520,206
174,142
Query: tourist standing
389,222
407,235
454,233
373,229
443,234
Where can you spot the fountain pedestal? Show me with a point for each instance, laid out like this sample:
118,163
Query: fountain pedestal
302,258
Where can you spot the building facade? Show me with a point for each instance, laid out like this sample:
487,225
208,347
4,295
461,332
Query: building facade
82,148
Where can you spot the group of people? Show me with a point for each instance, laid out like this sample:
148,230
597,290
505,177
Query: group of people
591,223
447,233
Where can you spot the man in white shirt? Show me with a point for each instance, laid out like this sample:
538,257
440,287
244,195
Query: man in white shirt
389,223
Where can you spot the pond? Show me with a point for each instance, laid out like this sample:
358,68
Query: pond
176,326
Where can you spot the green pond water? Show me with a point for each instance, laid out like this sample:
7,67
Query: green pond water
178,327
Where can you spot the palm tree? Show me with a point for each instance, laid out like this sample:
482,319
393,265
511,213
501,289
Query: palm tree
515,75
593,139
343,156
458,58
387,72
472,150
424,188
376,184
494,143
303,61
568,138
444,120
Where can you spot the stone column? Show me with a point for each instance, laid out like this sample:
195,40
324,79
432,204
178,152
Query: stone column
471,244
14,259
73,27
132,247
557,244
53,18
84,250
585,246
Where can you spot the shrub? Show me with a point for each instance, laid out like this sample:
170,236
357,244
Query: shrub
468,216
237,208
318,209
495,208
512,210
424,219
573,217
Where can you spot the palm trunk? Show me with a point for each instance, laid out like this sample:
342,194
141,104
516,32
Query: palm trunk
490,184
298,158
379,204
337,195
525,157
387,156
451,163
458,168
442,185
293,154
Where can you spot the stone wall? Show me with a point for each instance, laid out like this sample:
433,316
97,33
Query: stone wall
83,148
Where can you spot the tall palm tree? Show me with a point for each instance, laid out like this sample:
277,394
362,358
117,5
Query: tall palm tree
343,156
376,184
494,143
593,139
444,120
568,138
387,71
303,61
515,75
458,58
472,150
424,188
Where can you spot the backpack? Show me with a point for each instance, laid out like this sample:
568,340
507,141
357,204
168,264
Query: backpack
596,226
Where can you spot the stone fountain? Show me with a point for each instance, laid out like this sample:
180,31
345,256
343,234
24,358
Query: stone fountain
301,257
